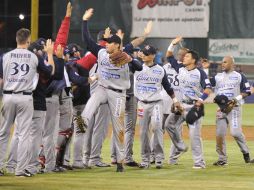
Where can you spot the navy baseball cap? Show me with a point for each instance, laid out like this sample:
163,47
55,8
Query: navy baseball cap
149,50
71,49
41,42
114,39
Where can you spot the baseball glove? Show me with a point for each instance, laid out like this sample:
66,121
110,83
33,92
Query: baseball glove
80,124
177,111
230,105
119,58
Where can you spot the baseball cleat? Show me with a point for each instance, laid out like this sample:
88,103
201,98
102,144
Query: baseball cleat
220,163
132,164
119,167
158,165
198,167
246,157
67,167
58,169
143,165
102,164
1,173
25,174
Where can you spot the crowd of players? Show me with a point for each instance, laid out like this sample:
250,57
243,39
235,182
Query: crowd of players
55,97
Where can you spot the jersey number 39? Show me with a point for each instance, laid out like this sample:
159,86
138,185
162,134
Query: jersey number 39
23,68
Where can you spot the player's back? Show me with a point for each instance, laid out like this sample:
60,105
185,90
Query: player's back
19,70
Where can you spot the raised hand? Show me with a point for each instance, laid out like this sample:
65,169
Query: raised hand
87,15
177,40
107,33
120,34
68,10
49,47
59,51
148,28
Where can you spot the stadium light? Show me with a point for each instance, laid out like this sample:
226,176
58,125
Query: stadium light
21,16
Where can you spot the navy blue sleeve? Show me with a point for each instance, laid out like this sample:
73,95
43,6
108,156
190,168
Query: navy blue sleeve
91,45
59,68
213,81
245,85
204,81
135,65
166,85
46,69
1,67
128,48
175,65
76,78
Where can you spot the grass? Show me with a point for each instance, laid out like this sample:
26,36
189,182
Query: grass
237,175
247,120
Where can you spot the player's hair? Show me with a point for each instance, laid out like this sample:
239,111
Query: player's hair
22,35
184,49
194,55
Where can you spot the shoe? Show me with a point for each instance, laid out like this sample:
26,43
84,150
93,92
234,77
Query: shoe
41,171
152,162
132,164
198,167
246,157
119,167
179,153
113,162
143,166
220,163
1,173
101,164
25,174
84,166
58,169
158,165
67,167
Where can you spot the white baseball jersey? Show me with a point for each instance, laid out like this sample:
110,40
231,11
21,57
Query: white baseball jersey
148,83
20,70
111,76
231,84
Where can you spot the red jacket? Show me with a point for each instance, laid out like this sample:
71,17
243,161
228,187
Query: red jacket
63,33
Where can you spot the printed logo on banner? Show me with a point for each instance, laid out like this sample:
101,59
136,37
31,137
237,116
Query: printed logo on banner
152,3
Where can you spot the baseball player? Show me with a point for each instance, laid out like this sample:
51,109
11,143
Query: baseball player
174,81
148,85
19,74
130,115
35,136
113,82
235,86
195,88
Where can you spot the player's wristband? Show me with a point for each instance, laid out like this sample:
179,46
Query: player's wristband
204,96
239,97
175,100
171,47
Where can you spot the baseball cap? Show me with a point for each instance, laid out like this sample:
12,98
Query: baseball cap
100,35
114,39
41,42
71,49
35,47
149,50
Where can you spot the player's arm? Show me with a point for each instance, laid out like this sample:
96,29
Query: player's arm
172,45
63,32
59,64
206,85
135,65
87,61
244,88
91,45
147,30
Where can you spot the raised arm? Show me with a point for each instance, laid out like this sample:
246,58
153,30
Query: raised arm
91,44
147,30
63,32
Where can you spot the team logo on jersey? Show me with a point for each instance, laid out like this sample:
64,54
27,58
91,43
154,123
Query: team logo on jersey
233,78
194,76
146,78
155,71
